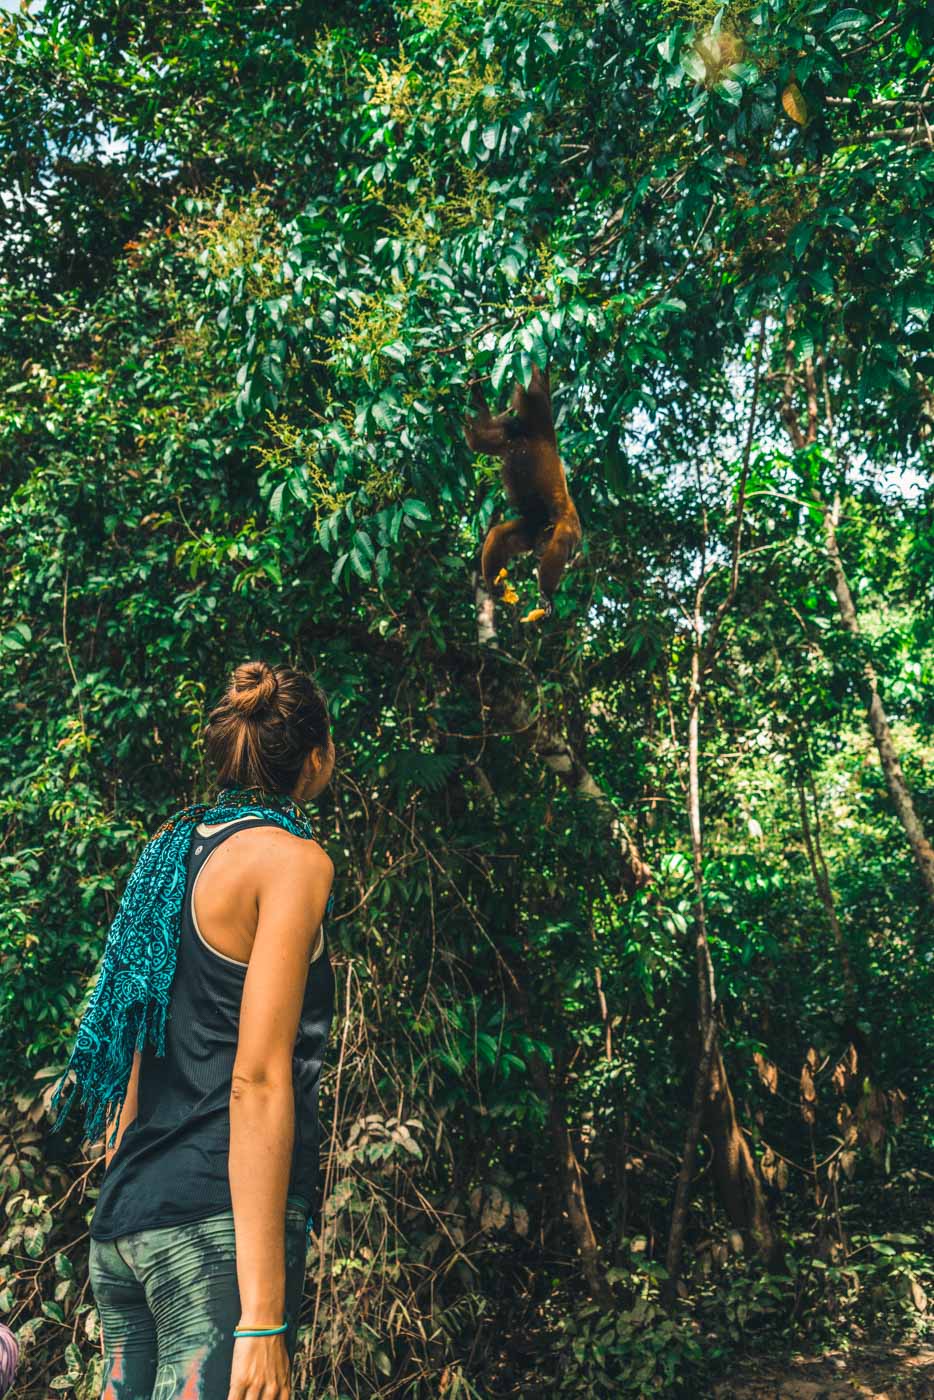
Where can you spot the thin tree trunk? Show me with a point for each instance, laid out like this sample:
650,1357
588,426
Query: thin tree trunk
818,866
556,752
486,611
592,1262
738,1182
550,1089
899,791
679,1213
713,1107
706,983
712,1101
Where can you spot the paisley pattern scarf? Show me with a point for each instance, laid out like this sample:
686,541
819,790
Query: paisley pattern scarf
130,1001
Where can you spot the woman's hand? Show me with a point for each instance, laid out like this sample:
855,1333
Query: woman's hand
260,1369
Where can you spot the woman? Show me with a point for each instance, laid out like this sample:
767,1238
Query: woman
199,1231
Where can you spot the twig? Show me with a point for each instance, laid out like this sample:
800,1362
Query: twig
727,602
71,668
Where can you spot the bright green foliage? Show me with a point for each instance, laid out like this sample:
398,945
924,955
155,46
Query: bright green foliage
252,256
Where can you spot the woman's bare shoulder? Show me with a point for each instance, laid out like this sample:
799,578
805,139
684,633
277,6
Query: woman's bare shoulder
281,845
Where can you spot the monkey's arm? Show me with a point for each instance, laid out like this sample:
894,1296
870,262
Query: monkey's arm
540,383
532,407
485,433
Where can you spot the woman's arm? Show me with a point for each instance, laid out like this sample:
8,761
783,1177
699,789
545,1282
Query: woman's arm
292,894
127,1113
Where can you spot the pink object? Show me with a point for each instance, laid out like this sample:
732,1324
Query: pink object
9,1358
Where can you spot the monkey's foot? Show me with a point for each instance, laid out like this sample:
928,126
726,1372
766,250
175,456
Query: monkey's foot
545,609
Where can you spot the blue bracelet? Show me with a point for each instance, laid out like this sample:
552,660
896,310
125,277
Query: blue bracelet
260,1331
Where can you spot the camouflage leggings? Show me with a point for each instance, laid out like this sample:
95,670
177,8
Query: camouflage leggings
168,1300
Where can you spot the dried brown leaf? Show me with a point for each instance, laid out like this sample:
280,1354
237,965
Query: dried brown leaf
875,1131
794,104
768,1072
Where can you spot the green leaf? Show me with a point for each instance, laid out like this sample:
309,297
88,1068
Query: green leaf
338,434
847,19
275,501
364,545
18,637
360,564
798,240
34,1241
397,350
381,413
694,65
920,301
413,768
510,266
501,371
821,280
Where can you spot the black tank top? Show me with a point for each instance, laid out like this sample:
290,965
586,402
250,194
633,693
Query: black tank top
171,1165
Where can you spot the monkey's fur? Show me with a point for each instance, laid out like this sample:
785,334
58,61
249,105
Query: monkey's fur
533,476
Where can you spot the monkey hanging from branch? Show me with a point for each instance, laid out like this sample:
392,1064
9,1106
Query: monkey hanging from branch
533,475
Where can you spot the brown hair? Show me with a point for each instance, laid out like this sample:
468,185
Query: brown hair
267,722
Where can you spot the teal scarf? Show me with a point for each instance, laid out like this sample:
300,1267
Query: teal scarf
130,1001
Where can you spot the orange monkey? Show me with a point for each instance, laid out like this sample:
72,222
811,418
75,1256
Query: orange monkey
547,521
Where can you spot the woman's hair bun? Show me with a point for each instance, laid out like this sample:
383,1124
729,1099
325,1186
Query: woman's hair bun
264,726
253,687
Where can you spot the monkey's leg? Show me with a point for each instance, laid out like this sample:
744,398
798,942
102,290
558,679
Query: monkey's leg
565,538
503,542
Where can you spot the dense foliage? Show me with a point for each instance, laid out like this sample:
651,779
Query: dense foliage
252,257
